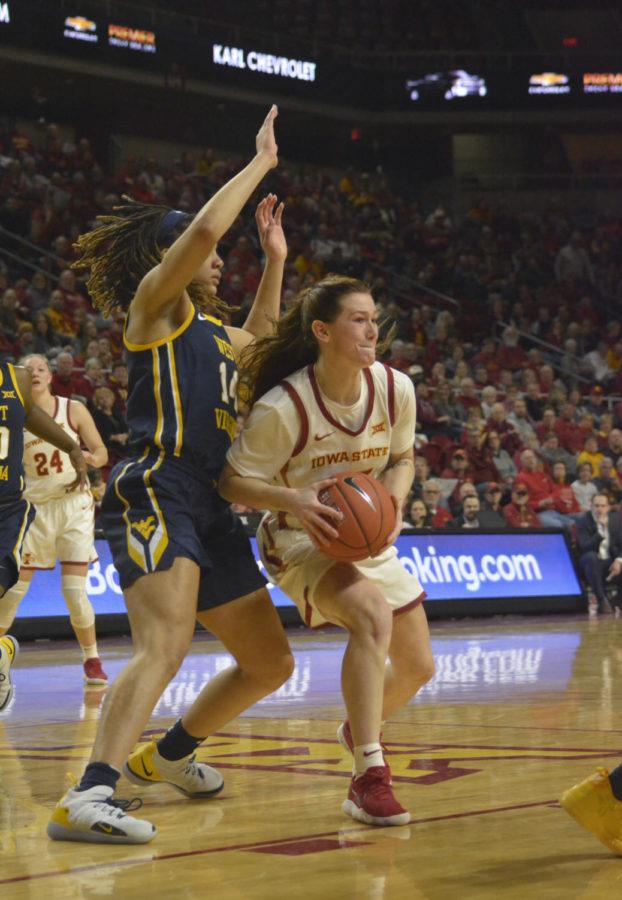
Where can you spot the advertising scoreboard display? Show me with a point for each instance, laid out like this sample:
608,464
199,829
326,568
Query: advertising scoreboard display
463,573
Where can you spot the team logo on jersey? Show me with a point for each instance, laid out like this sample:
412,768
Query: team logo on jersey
8,395
145,527
375,429
28,559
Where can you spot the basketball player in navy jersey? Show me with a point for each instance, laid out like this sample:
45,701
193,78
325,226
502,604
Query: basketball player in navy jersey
18,411
176,544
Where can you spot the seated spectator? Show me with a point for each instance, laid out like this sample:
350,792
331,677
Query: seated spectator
45,338
520,421
418,515
540,488
427,416
534,401
488,400
94,376
609,482
447,408
466,397
469,517
438,515
66,382
599,542
422,473
551,452
510,355
458,467
584,488
563,495
591,454
502,461
112,428
491,514
595,405
614,445
518,513
459,494
481,466
61,320
547,423
595,365
118,385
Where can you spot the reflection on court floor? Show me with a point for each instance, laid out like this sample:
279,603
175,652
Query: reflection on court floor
487,666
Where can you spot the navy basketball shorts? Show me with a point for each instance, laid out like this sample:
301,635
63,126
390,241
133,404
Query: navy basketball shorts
154,511
15,519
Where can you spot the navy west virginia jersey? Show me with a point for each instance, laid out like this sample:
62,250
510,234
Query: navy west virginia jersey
162,503
182,395
12,418
16,513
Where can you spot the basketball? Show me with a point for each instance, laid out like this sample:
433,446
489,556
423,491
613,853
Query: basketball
369,516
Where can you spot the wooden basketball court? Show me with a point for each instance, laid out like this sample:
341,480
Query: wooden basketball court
519,710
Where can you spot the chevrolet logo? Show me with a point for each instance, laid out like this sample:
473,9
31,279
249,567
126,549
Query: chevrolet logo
79,23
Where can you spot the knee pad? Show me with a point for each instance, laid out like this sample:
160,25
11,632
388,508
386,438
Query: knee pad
81,613
10,601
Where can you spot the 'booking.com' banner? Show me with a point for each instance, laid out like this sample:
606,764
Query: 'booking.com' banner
463,566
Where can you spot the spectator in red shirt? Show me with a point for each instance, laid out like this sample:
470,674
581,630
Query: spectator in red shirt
563,495
118,386
541,492
458,467
510,355
440,515
518,513
479,454
65,381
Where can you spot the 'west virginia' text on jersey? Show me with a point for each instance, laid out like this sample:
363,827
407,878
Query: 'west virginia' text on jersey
12,418
182,395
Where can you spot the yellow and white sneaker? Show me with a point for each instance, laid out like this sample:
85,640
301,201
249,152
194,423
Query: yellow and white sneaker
593,805
9,648
94,817
145,766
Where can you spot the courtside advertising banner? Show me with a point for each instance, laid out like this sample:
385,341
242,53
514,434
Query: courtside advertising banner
450,566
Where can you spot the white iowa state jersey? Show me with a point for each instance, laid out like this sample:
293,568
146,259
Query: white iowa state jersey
295,435
48,470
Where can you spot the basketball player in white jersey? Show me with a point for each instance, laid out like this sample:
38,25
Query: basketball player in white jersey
321,404
64,525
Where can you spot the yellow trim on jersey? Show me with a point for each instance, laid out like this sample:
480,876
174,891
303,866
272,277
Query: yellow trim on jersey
134,548
165,340
176,400
15,384
212,319
20,536
157,387
160,533
1,375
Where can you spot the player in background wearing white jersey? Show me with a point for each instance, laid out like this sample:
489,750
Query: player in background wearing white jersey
64,525
338,409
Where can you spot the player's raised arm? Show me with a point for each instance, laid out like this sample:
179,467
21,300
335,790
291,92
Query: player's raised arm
43,426
163,286
265,309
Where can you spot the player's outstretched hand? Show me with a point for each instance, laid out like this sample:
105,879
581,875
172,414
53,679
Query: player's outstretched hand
399,522
78,461
265,142
271,234
318,520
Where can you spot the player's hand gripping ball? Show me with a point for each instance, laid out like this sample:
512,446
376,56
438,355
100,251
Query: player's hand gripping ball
368,516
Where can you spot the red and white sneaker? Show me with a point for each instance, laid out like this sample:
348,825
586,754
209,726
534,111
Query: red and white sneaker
371,800
93,672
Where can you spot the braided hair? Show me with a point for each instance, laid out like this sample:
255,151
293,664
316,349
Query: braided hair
127,244
292,345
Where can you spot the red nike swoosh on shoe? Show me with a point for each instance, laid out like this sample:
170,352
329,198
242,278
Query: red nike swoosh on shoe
320,437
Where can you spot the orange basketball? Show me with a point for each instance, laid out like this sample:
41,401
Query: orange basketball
368,516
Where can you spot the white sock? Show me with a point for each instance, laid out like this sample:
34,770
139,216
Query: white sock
89,652
366,756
